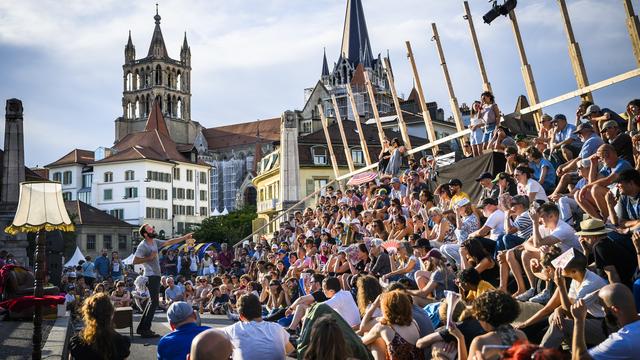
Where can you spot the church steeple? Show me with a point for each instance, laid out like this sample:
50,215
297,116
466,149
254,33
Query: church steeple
185,51
325,66
355,38
129,51
157,48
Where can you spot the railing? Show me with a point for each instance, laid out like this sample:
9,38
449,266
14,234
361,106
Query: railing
267,205
351,174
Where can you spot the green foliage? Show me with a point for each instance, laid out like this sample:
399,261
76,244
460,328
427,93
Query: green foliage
227,229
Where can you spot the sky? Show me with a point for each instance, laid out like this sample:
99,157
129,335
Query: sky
252,59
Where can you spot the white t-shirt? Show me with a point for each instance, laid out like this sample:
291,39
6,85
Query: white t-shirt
496,222
342,302
565,233
533,186
257,340
623,344
591,283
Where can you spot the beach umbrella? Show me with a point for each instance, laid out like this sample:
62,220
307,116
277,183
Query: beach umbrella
362,178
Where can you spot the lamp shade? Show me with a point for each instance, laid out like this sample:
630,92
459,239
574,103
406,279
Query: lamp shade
40,207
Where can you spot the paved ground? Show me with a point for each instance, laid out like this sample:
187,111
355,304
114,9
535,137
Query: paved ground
145,349
15,338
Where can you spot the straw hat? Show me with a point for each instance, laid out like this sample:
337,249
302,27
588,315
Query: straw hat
590,227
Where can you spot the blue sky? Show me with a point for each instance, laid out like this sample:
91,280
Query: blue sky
253,58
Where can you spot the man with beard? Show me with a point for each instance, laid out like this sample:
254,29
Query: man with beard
147,255
619,306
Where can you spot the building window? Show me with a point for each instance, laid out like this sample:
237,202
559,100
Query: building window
122,242
190,194
157,194
66,177
130,193
87,179
190,210
129,175
203,195
176,174
178,193
108,176
66,196
203,177
320,184
307,126
85,197
57,176
117,213
91,242
190,175
106,241
107,194
358,156
156,213
319,154
158,176
203,211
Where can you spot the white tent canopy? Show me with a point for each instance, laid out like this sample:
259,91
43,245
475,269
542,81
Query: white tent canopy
75,259
225,211
128,260
215,212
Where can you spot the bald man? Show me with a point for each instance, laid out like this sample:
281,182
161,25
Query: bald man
210,345
591,197
620,308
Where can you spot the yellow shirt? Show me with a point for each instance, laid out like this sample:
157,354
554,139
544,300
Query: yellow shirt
483,287
457,197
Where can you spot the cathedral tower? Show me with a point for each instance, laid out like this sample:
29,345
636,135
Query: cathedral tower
157,76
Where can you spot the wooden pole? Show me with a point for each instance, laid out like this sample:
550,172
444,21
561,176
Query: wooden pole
527,73
396,102
356,118
577,64
486,85
345,143
325,127
426,115
633,26
453,101
374,106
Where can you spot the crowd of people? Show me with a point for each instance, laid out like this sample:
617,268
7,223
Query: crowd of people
544,262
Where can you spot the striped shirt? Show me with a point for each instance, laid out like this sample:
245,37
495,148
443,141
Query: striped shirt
524,225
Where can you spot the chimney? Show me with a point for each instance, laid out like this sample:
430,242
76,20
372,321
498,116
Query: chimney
13,160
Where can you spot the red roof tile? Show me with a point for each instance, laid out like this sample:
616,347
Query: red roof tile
76,156
242,134
156,120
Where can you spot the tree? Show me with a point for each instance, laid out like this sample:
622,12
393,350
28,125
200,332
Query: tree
228,228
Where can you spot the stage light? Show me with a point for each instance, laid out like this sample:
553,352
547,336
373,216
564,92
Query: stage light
497,10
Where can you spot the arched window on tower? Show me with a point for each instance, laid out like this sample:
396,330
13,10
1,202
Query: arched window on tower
158,75
137,112
147,77
147,106
170,79
179,109
159,98
129,81
179,81
129,111
136,83
169,106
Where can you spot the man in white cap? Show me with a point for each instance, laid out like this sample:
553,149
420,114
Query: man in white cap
184,325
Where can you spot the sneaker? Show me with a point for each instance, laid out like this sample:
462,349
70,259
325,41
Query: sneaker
526,295
149,334
543,297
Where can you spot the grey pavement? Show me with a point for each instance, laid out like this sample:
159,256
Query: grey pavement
145,349
16,338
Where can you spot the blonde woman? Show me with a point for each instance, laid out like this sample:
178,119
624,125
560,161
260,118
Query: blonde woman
443,232
98,339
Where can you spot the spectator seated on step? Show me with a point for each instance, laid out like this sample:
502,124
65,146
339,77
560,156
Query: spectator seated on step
184,327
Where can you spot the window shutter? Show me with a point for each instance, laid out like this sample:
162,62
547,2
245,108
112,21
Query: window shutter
310,186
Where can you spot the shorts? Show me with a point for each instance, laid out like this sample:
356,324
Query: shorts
488,132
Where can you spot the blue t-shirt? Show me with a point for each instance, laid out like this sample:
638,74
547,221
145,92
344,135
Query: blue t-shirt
88,269
103,264
550,178
621,166
567,133
177,344
590,146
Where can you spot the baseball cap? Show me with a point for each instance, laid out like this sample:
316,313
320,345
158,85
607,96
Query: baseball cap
395,180
505,129
501,176
462,202
376,242
583,126
178,312
316,229
546,117
382,192
435,253
520,137
455,182
282,251
590,110
608,124
486,175
557,117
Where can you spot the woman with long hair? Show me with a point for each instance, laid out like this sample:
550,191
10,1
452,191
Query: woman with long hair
395,161
438,279
327,341
368,290
379,230
397,329
399,229
474,254
444,196
490,115
476,126
528,186
98,339
443,232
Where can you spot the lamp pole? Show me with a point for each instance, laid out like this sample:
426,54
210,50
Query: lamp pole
38,292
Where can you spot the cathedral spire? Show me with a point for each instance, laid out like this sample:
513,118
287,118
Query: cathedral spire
129,50
355,38
157,48
325,66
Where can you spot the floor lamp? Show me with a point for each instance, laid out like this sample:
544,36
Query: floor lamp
40,209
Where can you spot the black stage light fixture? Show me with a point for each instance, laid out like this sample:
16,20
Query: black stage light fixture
497,10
